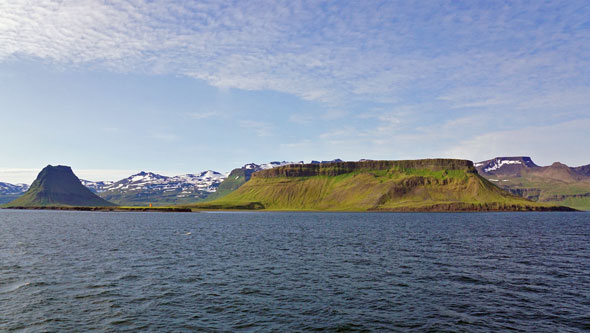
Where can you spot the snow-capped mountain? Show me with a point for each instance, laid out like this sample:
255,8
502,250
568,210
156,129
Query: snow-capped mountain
270,165
13,189
147,187
505,165
96,186
205,181
324,162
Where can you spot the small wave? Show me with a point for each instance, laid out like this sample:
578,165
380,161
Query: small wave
13,287
466,279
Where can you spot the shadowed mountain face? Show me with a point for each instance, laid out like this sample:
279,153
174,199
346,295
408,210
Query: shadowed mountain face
557,184
58,186
419,185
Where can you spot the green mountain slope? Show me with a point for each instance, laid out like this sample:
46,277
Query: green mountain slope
419,185
236,178
58,186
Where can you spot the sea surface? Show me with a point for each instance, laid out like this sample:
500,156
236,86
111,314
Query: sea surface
284,272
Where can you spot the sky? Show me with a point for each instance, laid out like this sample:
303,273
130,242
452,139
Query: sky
115,87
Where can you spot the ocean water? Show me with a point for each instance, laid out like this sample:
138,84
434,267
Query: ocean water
84,271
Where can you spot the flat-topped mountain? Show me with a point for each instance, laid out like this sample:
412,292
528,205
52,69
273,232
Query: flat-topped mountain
556,184
418,185
58,186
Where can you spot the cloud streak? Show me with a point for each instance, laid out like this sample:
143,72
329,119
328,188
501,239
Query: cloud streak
327,52
409,73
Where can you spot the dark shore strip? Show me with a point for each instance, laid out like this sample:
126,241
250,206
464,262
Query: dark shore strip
459,207
112,209
449,208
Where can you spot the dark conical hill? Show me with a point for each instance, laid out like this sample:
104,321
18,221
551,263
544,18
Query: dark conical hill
58,186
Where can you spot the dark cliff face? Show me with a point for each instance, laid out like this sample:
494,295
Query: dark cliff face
339,168
583,170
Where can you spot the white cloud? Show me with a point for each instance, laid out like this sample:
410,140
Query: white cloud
259,128
403,79
18,175
301,119
166,137
28,175
334,53
202,115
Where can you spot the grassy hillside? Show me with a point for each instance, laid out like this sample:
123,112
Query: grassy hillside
420,185
58,186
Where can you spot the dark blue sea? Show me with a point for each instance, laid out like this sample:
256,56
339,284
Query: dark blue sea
284,272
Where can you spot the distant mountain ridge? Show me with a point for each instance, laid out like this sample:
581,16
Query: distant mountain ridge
7,188
9,192
148,187
557,183
144,188
58,186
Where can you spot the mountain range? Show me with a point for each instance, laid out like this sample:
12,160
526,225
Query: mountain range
555,184
144,188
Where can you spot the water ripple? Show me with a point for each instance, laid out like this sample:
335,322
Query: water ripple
83,271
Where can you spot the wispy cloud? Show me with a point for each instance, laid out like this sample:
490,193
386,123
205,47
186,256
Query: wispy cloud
166,137
202,115
28,175
257,127
406,74
358,51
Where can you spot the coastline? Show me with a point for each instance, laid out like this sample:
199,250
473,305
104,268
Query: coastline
109,209
434,209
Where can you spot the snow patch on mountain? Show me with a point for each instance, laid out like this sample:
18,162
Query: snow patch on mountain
205,181
13,189
498,163
96,186
182,186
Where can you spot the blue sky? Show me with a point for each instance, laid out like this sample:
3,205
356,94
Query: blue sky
115,87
